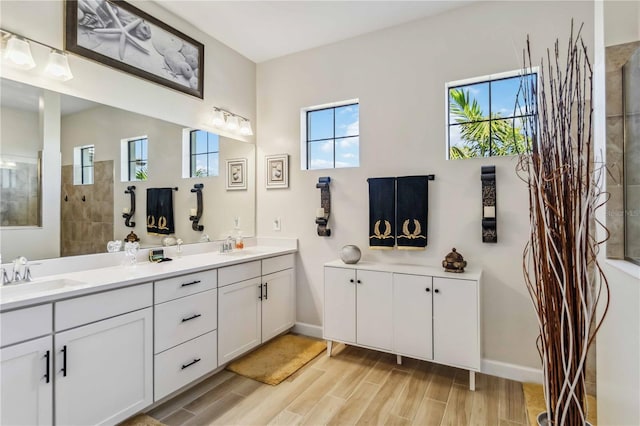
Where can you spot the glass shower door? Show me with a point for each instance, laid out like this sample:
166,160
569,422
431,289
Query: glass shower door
631,93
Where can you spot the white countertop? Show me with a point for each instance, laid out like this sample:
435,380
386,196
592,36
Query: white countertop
434,271
62,286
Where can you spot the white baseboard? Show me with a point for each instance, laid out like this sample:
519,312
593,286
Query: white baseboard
511,371
308,329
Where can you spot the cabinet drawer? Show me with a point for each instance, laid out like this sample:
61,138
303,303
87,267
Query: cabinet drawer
24,324
176,367
236,273
173,288
183,319
275,264
86,309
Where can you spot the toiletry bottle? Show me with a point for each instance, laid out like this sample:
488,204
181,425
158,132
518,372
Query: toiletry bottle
239,240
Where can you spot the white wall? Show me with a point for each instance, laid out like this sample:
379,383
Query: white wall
19,133
399,76
618,342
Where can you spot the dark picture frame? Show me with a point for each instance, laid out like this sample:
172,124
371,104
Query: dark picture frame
151,49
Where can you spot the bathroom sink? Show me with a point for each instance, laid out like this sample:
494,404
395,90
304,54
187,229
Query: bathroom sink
244,252
34,287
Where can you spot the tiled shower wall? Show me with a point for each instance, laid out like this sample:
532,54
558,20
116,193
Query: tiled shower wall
616,57
631,89
19,195
86,226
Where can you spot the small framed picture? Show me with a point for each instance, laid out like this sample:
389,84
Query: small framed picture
277,170
236,174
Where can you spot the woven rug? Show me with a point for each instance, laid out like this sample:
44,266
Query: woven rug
534,399
141,420
280,358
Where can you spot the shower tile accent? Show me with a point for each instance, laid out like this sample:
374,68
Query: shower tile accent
19,195
616,57
87,226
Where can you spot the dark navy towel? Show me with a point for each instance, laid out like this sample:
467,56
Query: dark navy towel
382,210
411,212
160,211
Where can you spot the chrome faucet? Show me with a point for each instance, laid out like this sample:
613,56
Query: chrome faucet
21,271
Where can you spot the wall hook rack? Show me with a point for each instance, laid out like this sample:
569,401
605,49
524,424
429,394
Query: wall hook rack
489,217
197,188
323,213
127,216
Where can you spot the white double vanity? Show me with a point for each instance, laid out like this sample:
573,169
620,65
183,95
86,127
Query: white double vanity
97,346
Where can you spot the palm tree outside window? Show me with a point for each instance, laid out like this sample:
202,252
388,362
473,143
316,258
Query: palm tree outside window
486,116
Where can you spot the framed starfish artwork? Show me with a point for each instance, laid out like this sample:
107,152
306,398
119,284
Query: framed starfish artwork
117,34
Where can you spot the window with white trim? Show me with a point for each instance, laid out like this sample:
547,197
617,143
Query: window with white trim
200,153
330,136
83,164
486,115
134,159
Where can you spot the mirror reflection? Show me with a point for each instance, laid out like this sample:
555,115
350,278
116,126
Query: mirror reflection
101,152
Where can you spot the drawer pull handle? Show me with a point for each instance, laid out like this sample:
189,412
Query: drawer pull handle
260,297
64,361
266,290
191,317
47,356
191,283
191,363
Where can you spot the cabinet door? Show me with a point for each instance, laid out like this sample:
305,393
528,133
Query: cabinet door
26,383
374,318
104,370
278,303
239,319
455,322
339,304
412,315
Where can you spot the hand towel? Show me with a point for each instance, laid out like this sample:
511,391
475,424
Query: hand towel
382,209
160,211
411,214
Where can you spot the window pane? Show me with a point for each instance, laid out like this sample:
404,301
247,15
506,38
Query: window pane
321,155
200,165
469,103
200,145
212,164
87,156
141,149
347,152
87,175
347,121
213,142
320,124
507,140
462,143
503,97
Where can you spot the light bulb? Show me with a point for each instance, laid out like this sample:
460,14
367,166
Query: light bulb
19,53
218,118
233,123
58,66
245,128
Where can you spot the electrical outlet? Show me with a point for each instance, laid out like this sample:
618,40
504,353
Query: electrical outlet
277,224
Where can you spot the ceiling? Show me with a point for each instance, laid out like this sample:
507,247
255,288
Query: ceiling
24,97
263,30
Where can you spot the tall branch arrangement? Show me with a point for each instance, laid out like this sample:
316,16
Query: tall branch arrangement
560,263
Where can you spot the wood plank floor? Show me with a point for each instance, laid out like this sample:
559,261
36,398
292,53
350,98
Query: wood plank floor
354,387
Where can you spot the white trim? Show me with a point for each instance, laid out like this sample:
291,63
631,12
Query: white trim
307,329
625,266
516,372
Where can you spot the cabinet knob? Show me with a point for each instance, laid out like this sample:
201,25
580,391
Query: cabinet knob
359,282
436,290
427,289
351,280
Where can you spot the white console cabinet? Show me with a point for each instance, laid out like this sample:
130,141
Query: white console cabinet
416,311
256,303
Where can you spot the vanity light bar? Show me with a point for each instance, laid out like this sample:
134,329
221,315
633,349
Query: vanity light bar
233,122
17,53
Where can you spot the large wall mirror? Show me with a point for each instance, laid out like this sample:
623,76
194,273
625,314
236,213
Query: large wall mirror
100,151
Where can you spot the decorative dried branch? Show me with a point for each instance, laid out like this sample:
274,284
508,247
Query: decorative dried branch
560,262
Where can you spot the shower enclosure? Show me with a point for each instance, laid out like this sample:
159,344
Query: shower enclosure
631,94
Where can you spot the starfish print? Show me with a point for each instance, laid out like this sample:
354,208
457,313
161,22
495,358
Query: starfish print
123,31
